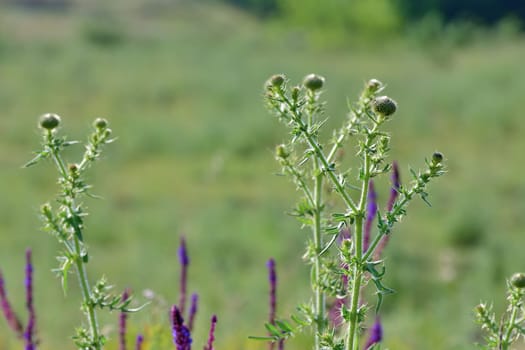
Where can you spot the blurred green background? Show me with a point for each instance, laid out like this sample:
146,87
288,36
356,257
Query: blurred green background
181,83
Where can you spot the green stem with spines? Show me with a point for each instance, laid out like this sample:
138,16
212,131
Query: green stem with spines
302,185
352,340
381,234
317,230
363,121
79,263
317,150
505,342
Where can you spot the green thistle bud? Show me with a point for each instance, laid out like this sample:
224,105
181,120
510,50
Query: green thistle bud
280,152
45,209
295,92
437,157
49,121
373,85
313,82
480,309
518,280
73,168
100,123
276,80
384,105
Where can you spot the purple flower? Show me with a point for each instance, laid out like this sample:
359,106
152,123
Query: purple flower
140,340
394,193
211,336
272,278
371,211
183,254
29,332
193,310
10,316
396,184
184,262
181,333
122,323
375,335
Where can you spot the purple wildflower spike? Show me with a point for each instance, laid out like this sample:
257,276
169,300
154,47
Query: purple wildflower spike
193,310
376,334
371,211
211,336
272,278
29,332
140,340
181,333
396,184
184,262
394,193
122,323
12,320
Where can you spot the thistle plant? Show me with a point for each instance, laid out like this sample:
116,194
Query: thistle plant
511,326
337,200
66,223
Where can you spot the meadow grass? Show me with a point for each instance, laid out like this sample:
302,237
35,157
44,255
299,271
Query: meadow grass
194,155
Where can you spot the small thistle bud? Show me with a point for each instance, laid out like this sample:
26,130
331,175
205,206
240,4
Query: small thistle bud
100,123
295,92
384,105
280,152
276,80
373,85
313,82
73,168
437,157
480,309
49,121
518,280
45,209
346,245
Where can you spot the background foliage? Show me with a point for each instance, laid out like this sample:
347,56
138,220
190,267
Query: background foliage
181,83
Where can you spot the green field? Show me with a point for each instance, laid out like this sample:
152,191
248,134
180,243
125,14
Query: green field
182,90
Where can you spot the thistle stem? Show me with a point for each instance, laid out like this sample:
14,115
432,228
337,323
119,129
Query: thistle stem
505,342
310,139
79,262
317,228
318,243
352,340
